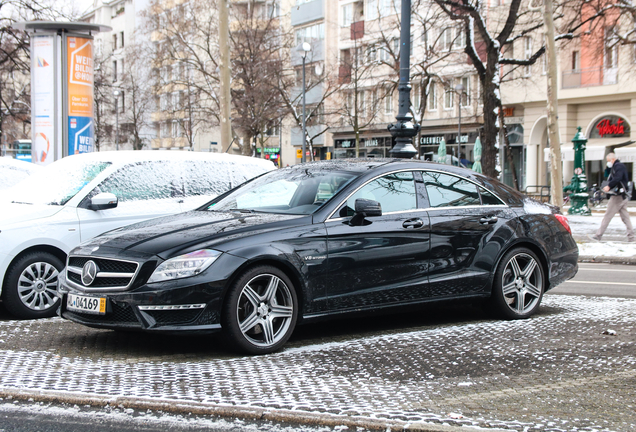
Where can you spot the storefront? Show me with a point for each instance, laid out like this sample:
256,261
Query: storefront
374,147
459,153
270,153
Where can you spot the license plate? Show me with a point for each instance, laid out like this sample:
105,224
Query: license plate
92,305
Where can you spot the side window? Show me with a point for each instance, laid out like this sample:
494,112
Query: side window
487,198
144,181
445,190
395,192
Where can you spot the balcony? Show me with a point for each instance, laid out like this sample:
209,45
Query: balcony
590,77
357,30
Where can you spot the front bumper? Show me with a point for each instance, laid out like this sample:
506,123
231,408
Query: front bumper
182,305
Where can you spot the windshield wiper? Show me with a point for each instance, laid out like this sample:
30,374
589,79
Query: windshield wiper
241,210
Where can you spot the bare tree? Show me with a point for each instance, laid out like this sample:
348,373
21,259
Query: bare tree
136,101
257,40
360,97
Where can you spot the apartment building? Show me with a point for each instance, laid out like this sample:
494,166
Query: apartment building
596,91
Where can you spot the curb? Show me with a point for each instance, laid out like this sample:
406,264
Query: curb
176,406
607,259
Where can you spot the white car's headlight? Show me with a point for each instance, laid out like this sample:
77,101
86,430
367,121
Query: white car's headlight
183,266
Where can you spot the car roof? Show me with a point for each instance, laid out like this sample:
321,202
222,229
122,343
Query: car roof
127,156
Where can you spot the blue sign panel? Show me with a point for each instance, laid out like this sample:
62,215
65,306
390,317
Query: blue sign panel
80,135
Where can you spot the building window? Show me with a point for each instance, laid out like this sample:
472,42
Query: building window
115,71
122,106
371,54
446,38
448,97
362,103
121,69
372,9
114,41
465,93
416,98
388,103
460,39
165,130
175,129
432,96
310,34
163,102
396,46
347,15
576,60
527,54
121,39
611,48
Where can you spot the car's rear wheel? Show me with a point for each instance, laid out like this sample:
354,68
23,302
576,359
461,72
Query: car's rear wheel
30,289
519,284
261,310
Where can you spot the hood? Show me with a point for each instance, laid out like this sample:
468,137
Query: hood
13,213
162,235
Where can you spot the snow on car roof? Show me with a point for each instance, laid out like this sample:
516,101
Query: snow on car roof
9,162
124,156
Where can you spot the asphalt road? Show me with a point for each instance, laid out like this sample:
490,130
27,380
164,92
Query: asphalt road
611,280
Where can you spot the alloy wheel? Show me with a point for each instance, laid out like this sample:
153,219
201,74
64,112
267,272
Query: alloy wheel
37,286
522,283
265,310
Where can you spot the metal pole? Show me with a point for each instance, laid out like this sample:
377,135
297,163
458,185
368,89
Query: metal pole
459,124
404,130
303,158
225,98
116,123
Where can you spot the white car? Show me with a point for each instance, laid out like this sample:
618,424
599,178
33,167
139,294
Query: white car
13,171
78,197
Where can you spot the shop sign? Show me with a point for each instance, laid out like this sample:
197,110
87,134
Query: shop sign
269,150
610,127
431,139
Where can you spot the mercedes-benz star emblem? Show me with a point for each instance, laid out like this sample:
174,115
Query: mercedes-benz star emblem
89,272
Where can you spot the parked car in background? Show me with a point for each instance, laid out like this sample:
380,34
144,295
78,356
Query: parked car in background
13,171
333,237
80,196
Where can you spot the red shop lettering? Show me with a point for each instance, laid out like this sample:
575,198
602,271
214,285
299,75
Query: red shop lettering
605,128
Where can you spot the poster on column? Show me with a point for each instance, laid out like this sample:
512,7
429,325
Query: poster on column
80,94
43,67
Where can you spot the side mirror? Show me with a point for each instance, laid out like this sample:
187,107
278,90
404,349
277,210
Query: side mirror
365,208
103,201
368,207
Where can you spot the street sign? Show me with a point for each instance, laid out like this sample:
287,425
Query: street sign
299,153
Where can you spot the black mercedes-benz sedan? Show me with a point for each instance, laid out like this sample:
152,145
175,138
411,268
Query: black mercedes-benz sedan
319,240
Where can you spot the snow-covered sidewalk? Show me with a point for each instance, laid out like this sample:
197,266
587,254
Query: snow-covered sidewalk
613,247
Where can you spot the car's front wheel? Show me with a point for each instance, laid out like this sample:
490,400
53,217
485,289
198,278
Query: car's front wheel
519,284
30,287
261,310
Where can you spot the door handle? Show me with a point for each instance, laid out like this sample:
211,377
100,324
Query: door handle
413,223
488,220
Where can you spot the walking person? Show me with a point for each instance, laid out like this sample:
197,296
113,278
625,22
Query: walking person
617,202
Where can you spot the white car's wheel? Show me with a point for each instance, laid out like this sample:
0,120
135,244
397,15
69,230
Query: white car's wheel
30,286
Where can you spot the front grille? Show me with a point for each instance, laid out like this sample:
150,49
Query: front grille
164,317
105,265
120,313
111,273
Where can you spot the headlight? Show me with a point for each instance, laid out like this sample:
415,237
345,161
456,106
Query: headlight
183,266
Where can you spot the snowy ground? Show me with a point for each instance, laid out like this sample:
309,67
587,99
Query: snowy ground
572,367
614,240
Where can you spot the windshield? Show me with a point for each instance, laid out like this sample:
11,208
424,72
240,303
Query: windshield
289,191
57,183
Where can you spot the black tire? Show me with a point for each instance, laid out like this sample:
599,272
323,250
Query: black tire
30,286
258,320
518,285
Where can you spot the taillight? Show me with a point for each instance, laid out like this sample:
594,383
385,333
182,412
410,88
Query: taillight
564,222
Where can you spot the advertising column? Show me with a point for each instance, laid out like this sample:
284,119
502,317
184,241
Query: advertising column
43,98
80,94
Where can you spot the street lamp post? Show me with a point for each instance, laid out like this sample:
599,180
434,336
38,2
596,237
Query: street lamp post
404,130
459,88
116,94
304,49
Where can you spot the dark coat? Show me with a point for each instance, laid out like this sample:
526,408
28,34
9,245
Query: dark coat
618,175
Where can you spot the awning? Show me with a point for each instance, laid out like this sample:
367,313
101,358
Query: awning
626,154
592,153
